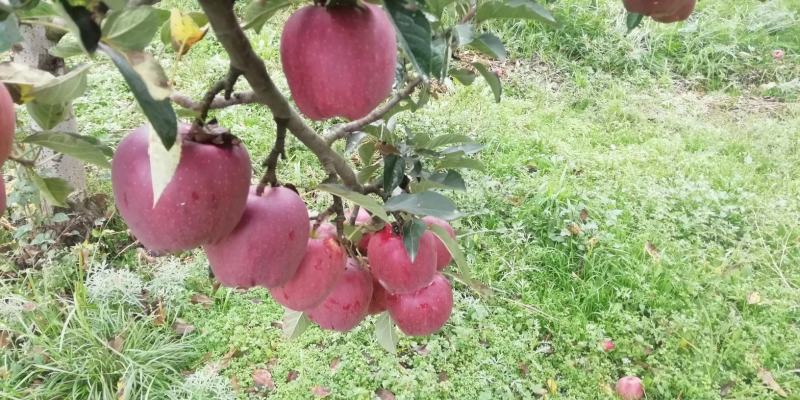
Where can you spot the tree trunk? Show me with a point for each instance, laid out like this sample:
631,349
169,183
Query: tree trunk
33,51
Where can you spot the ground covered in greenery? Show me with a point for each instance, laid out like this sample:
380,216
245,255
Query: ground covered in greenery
639,188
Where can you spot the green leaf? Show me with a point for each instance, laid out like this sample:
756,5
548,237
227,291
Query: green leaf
81,147
394,169
132,28
366,151
67,46
9,33
448,139
386,333
436,7
412,231
415,32
84,24
443,180
364,201
491,78
467,148
163,163
258,12
47,116
490,45
116,4
440,55
632,21
454,249
63,89
53,190
40,10
463,75
460,162
423,203
464,33
513,9
366,173
294,323
353,140
159,112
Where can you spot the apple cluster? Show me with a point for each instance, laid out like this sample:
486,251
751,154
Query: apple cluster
267,240
7,125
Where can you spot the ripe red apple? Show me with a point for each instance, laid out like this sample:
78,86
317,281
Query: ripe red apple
201,204
378,303
608,345
425,311
443,256
630,388
324,230
661,10
392,266
339,61
681,14
7,123
347,304
2,195
266,247
318,273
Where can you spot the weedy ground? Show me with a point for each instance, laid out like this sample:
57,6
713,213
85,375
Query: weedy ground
641,188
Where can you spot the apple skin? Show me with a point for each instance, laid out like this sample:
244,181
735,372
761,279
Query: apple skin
630,388
681,14
347,303
339,61
266,247
378,303
2,195
443,256
324,230
425,311
202,203
393,268
7,123
319,271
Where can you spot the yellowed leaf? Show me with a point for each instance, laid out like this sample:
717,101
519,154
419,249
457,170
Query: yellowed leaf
151,73
771,383
753,298
185,31
552,386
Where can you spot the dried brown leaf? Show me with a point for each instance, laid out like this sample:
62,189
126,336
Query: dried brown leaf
443,376
574,229
320,391
771,383
335,363
384,394
652,251
202,300
28,306
584,215
725,389
181,327
5,339
161,315
116,343
292,375
263,379
523,369
235,384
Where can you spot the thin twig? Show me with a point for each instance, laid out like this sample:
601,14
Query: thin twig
223,84
271,162
343,130
218,102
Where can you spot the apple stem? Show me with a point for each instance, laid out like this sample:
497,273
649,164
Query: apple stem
271,162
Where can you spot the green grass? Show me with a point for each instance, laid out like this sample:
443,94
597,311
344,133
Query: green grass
598,122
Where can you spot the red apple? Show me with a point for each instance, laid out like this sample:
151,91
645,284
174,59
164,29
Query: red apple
630,388
681,14
319,271
201,204
324,230
425,311
347,304
378,303
339,61
608,345
267,245
2,195
7,123
443,256
392,266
